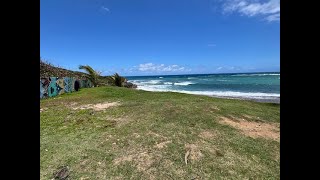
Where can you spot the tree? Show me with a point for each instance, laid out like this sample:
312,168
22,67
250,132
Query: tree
116,80
92,74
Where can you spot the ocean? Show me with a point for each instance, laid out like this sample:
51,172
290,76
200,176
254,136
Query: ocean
255,86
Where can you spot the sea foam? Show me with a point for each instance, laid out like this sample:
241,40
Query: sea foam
256,75
164,88
185,83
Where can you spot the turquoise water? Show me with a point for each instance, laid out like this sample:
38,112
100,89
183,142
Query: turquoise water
243,85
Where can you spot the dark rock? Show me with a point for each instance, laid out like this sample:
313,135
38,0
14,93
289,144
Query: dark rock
62,173
129,85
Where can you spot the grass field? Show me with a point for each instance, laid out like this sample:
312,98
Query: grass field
120,133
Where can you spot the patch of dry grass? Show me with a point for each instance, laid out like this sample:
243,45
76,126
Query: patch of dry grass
254,129
98,106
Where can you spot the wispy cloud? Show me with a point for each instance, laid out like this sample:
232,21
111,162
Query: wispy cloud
159,68
162,69
105,9
270,9
273,17
229,68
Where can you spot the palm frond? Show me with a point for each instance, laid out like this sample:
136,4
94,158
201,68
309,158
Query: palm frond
116,80
88,69
92,74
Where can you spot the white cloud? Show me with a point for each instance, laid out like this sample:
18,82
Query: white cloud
150,67
273,17
229,68
146,67
270,8
105,8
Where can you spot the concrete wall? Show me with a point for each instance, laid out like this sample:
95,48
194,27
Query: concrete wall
53,86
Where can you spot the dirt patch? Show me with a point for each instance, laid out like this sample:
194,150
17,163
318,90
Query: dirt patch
73,103
142,160
121,120
97,107
162,144
170,169
43,109
141,157
193,152
247,116
212,109
156,135
136,135
254,129
207,135
253,118
122,159
84,178
209,147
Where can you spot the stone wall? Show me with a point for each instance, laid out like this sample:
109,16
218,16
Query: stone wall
53,86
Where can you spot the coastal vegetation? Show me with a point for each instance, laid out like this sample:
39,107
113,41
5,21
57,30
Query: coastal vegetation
113,80
49,70
116,80
92,75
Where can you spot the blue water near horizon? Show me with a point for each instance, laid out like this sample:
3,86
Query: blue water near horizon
265,85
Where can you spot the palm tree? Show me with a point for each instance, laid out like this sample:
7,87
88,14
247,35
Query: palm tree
116,80
92,74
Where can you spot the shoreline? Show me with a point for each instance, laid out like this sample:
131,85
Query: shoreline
267,100
262,100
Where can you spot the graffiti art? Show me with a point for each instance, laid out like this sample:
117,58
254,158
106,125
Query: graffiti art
86,83
53,89
68,84
60,85
44,84
53,86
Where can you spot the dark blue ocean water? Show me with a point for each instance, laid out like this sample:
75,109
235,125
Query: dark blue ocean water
243,85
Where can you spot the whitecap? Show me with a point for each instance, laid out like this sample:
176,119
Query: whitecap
185,83
256,75
235,94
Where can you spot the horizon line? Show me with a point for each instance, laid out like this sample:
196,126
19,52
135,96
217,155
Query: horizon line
207,73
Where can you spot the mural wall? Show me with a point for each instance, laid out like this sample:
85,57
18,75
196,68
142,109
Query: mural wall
53,86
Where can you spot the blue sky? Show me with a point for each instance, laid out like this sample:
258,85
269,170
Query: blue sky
150,37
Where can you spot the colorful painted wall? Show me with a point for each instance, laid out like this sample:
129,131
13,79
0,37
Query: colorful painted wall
53,86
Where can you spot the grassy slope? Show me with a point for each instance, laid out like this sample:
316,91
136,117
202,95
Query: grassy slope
120,142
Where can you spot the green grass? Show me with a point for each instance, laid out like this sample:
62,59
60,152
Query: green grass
121,141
